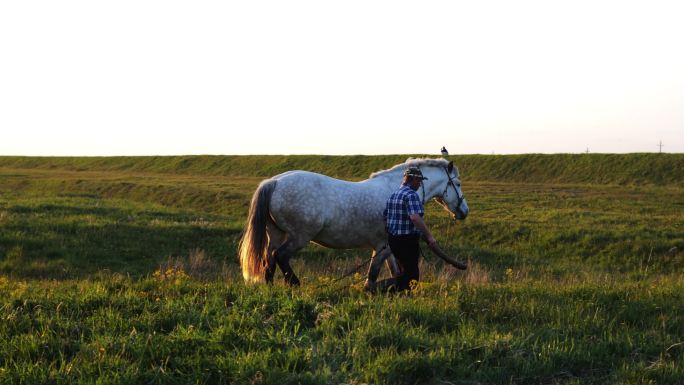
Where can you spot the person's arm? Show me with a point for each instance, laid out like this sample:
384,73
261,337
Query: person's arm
420,224
432,243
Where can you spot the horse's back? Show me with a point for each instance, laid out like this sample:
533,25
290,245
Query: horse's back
310,193
297,201
300,182
325,209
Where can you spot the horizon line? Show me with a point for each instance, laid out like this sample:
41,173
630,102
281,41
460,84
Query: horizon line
340,155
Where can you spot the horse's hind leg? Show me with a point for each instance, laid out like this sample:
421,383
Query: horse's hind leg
282,257
276,238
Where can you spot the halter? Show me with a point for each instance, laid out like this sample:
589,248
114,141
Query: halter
452,182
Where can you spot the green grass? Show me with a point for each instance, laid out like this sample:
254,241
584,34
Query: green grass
120,330
623,169
123,270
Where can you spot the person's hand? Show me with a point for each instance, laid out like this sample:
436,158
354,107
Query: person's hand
431,241
452,261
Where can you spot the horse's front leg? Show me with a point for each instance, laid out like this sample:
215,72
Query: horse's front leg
379,256
392,265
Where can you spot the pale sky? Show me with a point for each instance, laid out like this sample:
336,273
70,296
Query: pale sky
346,77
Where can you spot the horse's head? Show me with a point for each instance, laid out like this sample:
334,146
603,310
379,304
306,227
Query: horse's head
452,198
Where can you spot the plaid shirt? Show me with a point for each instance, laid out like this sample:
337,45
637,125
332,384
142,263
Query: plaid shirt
400,205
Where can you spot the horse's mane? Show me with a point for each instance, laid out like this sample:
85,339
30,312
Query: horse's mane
417,162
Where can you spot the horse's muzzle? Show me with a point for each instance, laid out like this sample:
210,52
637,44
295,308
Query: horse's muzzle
460,215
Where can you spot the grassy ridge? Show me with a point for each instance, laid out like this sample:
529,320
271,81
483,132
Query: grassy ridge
645,168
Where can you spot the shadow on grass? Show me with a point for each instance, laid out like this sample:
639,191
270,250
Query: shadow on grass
64,210
64,242
111,212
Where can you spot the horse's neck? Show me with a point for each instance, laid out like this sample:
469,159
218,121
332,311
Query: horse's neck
435,184
386,182
392,180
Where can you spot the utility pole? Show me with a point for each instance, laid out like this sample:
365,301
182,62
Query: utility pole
661,147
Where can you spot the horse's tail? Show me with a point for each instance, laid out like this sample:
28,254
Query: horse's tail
254,240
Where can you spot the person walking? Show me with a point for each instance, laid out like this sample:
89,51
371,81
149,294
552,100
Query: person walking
405,226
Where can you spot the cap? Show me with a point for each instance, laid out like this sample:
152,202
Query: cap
414,172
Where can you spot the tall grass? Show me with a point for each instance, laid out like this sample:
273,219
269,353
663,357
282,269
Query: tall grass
124,270
160,330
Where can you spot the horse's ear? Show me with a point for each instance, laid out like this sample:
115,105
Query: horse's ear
450,166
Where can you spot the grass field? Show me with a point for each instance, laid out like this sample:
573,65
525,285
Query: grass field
124,270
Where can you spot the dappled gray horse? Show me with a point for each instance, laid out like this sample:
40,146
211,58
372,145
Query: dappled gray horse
297,207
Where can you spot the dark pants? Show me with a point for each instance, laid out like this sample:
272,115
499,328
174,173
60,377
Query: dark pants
406,250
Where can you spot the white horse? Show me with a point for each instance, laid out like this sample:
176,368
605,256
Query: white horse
297,207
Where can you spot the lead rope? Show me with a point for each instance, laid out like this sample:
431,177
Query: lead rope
347,274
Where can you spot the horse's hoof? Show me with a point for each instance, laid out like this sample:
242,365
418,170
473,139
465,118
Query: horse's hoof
292,281
369,287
